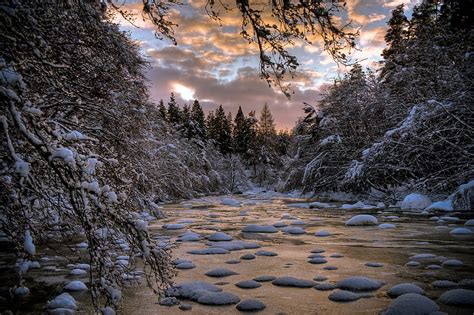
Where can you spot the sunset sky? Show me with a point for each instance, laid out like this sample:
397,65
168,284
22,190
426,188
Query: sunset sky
215,65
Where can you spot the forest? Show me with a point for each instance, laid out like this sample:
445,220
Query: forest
88,157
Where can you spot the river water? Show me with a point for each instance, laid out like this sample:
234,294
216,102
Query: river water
414,233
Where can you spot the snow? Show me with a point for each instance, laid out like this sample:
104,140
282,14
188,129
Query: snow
299,205
77,272
330,139
111,197
192,290
374,264
91,165
250,305
415,201
219,237
74,135
357,205
386,226
280,224
293,282
317,204
337,255
254,228
469,222
354,171
75,286
230,202
416,303
433,267
362,219
322,233
248,284
445,205
359,283
141,225
28,243
404,288
22,168
461,231
64,300
64,154
82,245
343,296
218,298
412,264
458,297
220,272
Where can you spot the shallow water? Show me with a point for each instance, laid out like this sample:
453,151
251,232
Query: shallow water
414,234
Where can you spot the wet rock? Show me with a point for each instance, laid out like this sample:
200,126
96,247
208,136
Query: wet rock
320,278
325,286
175,226
186,265
209,251
318,251
266,253
330,268
443,284
374,264
316,256
294,230
185,307
433,267
169,301
233,261
336,255
317,261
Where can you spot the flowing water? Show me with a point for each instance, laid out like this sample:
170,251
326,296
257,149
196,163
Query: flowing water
414,234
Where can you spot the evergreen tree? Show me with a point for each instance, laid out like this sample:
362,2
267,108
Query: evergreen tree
266,126
396,33
174,115
223,131
198,121
186,126
212,128
162,111
241,132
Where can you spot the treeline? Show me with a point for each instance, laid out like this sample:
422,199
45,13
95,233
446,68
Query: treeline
252,138
408,124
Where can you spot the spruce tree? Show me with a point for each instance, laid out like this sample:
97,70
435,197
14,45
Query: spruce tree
241,132
174,115
162,111
198,120
266,125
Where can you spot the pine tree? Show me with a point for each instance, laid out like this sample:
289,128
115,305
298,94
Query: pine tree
198,120
162,111
241,132
174,114
186,126
396,33
223,131
266,125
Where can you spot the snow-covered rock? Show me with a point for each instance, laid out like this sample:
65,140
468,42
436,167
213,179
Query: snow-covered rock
357,205
21,291
174,226
404,288
343,296
362,219
469,222
248,284
385,226
317,261
443,284
293,282
463,198
64,300
77,272
220,272
29,246
445,205
192,290
247,257
415,202
293,230
234,245
219,237
374,264
460,231
417,304
209,251
218,298
359,283
75,285
185,265
322,233
230,202
266,253
251,305
458,297
452,263
264,278
423,256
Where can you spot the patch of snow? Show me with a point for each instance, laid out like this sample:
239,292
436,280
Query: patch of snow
219,237
28,243
461,231
248,284
22,168
175,226
293,282
234,245
322,233
266,253
357,205
64,300
423,256
445,205
386,226
64,154
343,296
254,228
458,297
294,230
230,202
452,263
218,298
220,272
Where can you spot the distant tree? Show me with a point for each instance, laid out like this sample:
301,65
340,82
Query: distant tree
266,125
174,113
223,130
396,34
162,111
282,142
185,126
198,121
241,133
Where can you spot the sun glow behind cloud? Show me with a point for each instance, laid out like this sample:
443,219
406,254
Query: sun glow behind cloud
185,92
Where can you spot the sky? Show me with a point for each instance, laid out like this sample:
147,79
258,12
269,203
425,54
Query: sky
214,64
